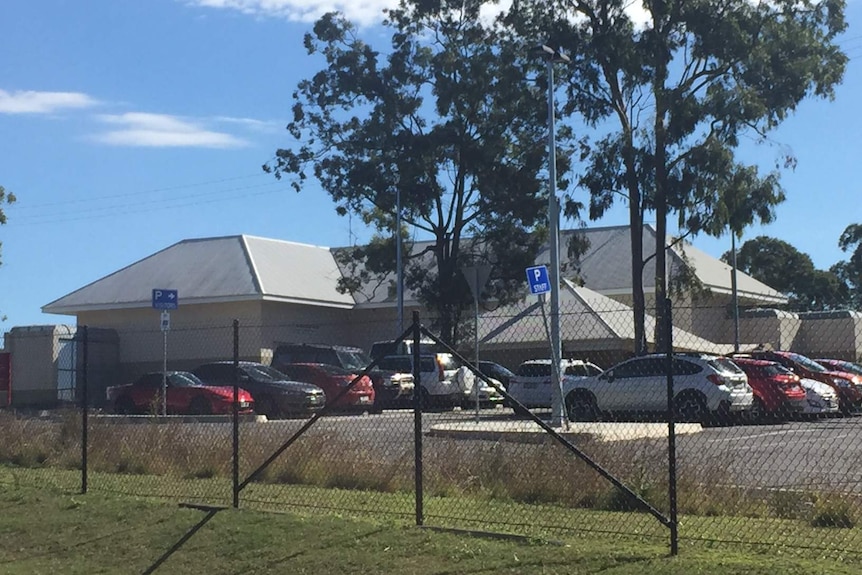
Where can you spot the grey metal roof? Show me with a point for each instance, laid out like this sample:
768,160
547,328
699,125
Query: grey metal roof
585,315
236,268
606,268
220,269
606,265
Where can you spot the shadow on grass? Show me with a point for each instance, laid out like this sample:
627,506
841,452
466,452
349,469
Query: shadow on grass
210,513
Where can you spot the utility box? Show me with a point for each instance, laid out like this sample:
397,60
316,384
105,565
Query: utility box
47,365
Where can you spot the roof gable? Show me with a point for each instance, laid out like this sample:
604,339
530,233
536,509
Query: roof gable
230,268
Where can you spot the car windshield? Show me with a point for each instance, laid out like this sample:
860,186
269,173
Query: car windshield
495,369
725,365
185,379
848,366
776,369
264,373
353,359
808,364
335,370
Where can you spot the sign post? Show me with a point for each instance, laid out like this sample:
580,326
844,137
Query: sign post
540,284
165,299
476,277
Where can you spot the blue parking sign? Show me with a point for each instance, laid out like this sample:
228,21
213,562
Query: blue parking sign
165,299
537,277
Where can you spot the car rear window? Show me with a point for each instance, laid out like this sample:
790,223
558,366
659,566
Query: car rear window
581,369
725,365
534,370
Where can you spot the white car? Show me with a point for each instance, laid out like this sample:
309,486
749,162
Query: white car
531,385
444,381
819,397
707,388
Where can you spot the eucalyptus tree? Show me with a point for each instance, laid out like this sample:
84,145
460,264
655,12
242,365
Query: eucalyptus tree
5,198
671,87
850,271
784,268
446,116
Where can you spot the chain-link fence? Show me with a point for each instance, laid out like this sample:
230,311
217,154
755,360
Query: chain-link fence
741,442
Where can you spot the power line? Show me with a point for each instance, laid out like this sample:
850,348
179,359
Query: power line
115,211
19,206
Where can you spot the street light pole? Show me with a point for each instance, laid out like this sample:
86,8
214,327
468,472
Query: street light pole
399,278
558,416
734,291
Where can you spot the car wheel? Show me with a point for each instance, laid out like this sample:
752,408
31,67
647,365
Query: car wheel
425,402
757,413
265,406
691,408
200,406
124,406
581,406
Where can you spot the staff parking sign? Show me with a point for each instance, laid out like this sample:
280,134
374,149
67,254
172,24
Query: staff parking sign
537,277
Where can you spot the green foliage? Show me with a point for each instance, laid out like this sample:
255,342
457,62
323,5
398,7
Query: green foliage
673,94
5,198
791,272
446,117
850,271
832,511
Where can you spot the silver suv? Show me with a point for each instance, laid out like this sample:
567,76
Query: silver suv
706,388
531,385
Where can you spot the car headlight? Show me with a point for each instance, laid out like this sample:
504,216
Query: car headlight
841,382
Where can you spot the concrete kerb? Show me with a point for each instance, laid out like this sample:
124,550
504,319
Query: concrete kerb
530,432
160,419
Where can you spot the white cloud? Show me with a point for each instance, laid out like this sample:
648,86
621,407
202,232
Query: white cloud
31,102
362,12
252,124
162,131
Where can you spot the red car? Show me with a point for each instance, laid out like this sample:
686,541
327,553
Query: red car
186,394
841,365
846,385
777,391
332,380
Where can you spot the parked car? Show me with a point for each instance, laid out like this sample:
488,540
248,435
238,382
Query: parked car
273,392
821,399
846,385
496,372
777,391
444,382
707,389
841,365
186,394
380,349
531,385
391,388
332,380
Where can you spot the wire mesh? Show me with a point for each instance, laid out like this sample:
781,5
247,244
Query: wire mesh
766,439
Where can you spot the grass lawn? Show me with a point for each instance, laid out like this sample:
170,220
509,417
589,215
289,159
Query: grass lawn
55,531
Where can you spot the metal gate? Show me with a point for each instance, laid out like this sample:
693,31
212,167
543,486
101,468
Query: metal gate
5,379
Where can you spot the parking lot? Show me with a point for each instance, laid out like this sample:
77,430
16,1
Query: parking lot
824,453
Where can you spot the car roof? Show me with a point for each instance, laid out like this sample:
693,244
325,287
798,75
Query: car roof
548,361
751,361
230,362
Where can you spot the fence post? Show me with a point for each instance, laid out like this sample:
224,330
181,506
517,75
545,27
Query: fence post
671,430
417,419
235,450
85,404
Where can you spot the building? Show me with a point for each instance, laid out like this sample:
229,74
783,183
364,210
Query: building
281,291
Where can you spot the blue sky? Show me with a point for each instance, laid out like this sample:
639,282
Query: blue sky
128,126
